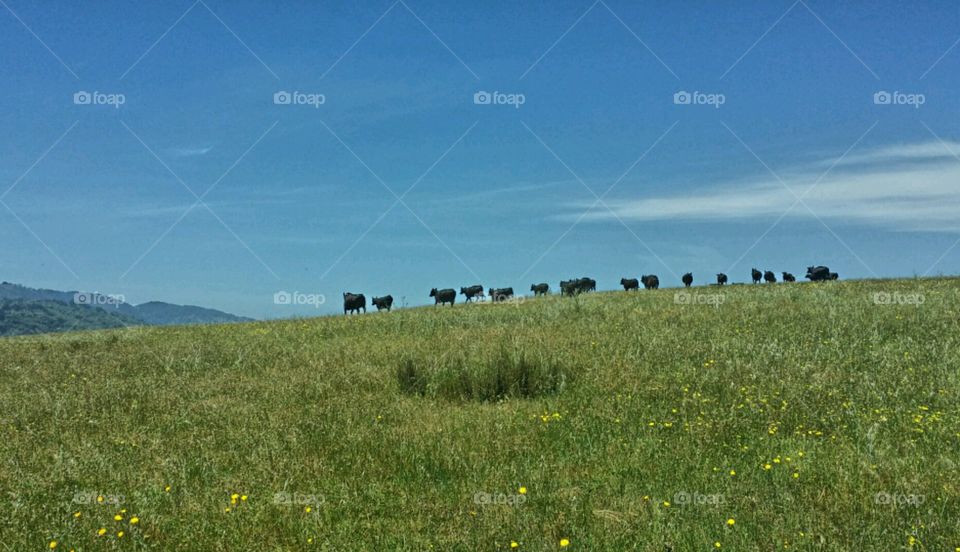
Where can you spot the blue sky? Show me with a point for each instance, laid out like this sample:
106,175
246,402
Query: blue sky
798,165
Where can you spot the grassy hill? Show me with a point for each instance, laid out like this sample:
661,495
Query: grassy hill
797,416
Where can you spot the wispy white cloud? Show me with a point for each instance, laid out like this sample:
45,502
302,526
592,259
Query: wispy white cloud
912,187
508,191
190,151
921,152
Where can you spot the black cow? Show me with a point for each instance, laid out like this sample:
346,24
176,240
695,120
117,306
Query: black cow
756,275
586,284
787,277
820,274
354,302
629,283
721,279
568,287
687,279
472,291
770,277
498,295
443,296
650,281
540,289
385,302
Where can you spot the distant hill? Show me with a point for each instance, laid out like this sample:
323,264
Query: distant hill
158,313
118,313
19,317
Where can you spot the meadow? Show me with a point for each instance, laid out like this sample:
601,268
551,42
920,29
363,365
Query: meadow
750,418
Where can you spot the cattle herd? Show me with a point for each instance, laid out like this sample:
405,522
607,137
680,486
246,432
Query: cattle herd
356,302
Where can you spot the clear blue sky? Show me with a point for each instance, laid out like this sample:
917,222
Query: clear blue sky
96,197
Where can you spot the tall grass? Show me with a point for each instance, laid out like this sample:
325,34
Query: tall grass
814,416
487,376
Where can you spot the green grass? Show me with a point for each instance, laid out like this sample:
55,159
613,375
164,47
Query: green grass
414,430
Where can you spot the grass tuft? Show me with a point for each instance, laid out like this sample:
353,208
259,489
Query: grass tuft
484,376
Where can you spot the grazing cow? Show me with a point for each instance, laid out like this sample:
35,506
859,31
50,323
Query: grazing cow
819,274
498,295
472,291
443,296
385,302
568,287
629,283
540,289
650,281
721,279
586,284
770,277
353,303
687,279
756,275
787,277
